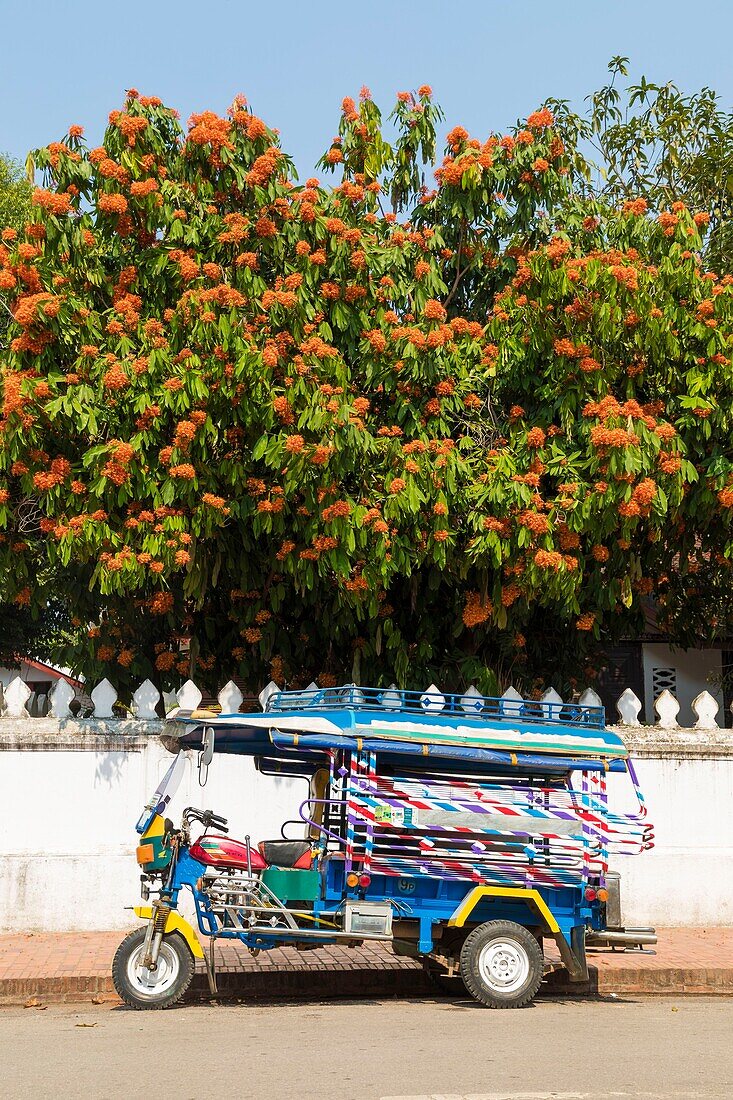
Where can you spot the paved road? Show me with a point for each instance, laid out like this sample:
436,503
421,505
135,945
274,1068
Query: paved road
369,1050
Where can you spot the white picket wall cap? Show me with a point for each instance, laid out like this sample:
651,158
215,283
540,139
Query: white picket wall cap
17,700
104,698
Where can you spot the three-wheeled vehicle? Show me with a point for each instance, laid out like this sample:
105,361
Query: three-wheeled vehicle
462,830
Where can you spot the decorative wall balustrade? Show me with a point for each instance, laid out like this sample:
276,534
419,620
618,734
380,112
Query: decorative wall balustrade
18,701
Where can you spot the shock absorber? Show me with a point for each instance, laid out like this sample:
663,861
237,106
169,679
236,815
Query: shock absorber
154,936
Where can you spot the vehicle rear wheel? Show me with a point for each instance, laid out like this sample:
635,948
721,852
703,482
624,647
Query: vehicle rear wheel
502,965
160,988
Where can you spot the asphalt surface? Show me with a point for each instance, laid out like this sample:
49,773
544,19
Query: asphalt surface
370,1050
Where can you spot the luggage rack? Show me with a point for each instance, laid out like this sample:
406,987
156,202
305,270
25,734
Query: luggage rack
437,704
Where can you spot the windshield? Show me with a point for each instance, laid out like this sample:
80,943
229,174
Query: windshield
164,792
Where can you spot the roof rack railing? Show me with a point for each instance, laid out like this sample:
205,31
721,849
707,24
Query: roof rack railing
471,704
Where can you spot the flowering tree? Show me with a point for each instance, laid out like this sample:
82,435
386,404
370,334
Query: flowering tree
273,429
649,140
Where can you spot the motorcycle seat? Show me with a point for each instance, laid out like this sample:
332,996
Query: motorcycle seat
286,853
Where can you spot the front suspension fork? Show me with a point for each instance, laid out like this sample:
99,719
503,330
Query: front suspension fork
154,933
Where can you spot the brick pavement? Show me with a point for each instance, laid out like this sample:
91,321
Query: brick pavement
76,966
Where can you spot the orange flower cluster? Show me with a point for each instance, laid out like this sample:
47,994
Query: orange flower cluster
627,276
535,437
142,188
475,610
282,408
116,378
320,455
338,510
499,526
569,540
52,202
636,207
565,348
613,437
185,471
165,661
207,128
131,126
533,521
587,621
161,603
668,222
645,492
548,559
264,167
59,472
434,310
117,467
112,204
27,311
541,119
322,543
669,462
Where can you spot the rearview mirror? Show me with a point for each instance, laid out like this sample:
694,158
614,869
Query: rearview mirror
206,755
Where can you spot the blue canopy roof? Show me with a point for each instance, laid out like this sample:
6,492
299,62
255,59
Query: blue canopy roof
486,732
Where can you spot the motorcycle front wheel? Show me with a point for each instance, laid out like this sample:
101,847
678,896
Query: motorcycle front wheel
160,988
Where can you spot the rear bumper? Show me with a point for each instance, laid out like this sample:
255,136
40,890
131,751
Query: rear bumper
622,937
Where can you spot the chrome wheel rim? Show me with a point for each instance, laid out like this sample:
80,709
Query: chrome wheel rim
504,965
156,983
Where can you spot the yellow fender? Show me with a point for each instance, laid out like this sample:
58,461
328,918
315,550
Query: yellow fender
533,898
175,923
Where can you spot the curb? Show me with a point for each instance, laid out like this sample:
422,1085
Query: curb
266,985
667,981
372,982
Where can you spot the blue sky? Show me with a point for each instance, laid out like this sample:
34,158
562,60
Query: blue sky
488,62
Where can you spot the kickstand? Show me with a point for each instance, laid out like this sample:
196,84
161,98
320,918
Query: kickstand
210,962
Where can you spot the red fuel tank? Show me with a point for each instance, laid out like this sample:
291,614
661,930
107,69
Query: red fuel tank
223,851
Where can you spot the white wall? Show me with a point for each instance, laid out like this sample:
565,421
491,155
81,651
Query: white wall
687,878
697,670
67,829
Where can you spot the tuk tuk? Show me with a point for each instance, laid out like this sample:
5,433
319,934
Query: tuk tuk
462,830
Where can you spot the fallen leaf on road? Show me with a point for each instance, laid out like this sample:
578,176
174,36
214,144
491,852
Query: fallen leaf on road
87,1025
97,1000
32,1002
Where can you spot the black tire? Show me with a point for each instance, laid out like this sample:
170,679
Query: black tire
502,965
174,975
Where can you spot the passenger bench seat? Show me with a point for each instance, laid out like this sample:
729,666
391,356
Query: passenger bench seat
286,853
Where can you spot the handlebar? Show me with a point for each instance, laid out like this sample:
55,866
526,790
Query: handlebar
206,817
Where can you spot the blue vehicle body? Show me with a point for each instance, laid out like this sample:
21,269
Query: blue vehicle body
427,816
